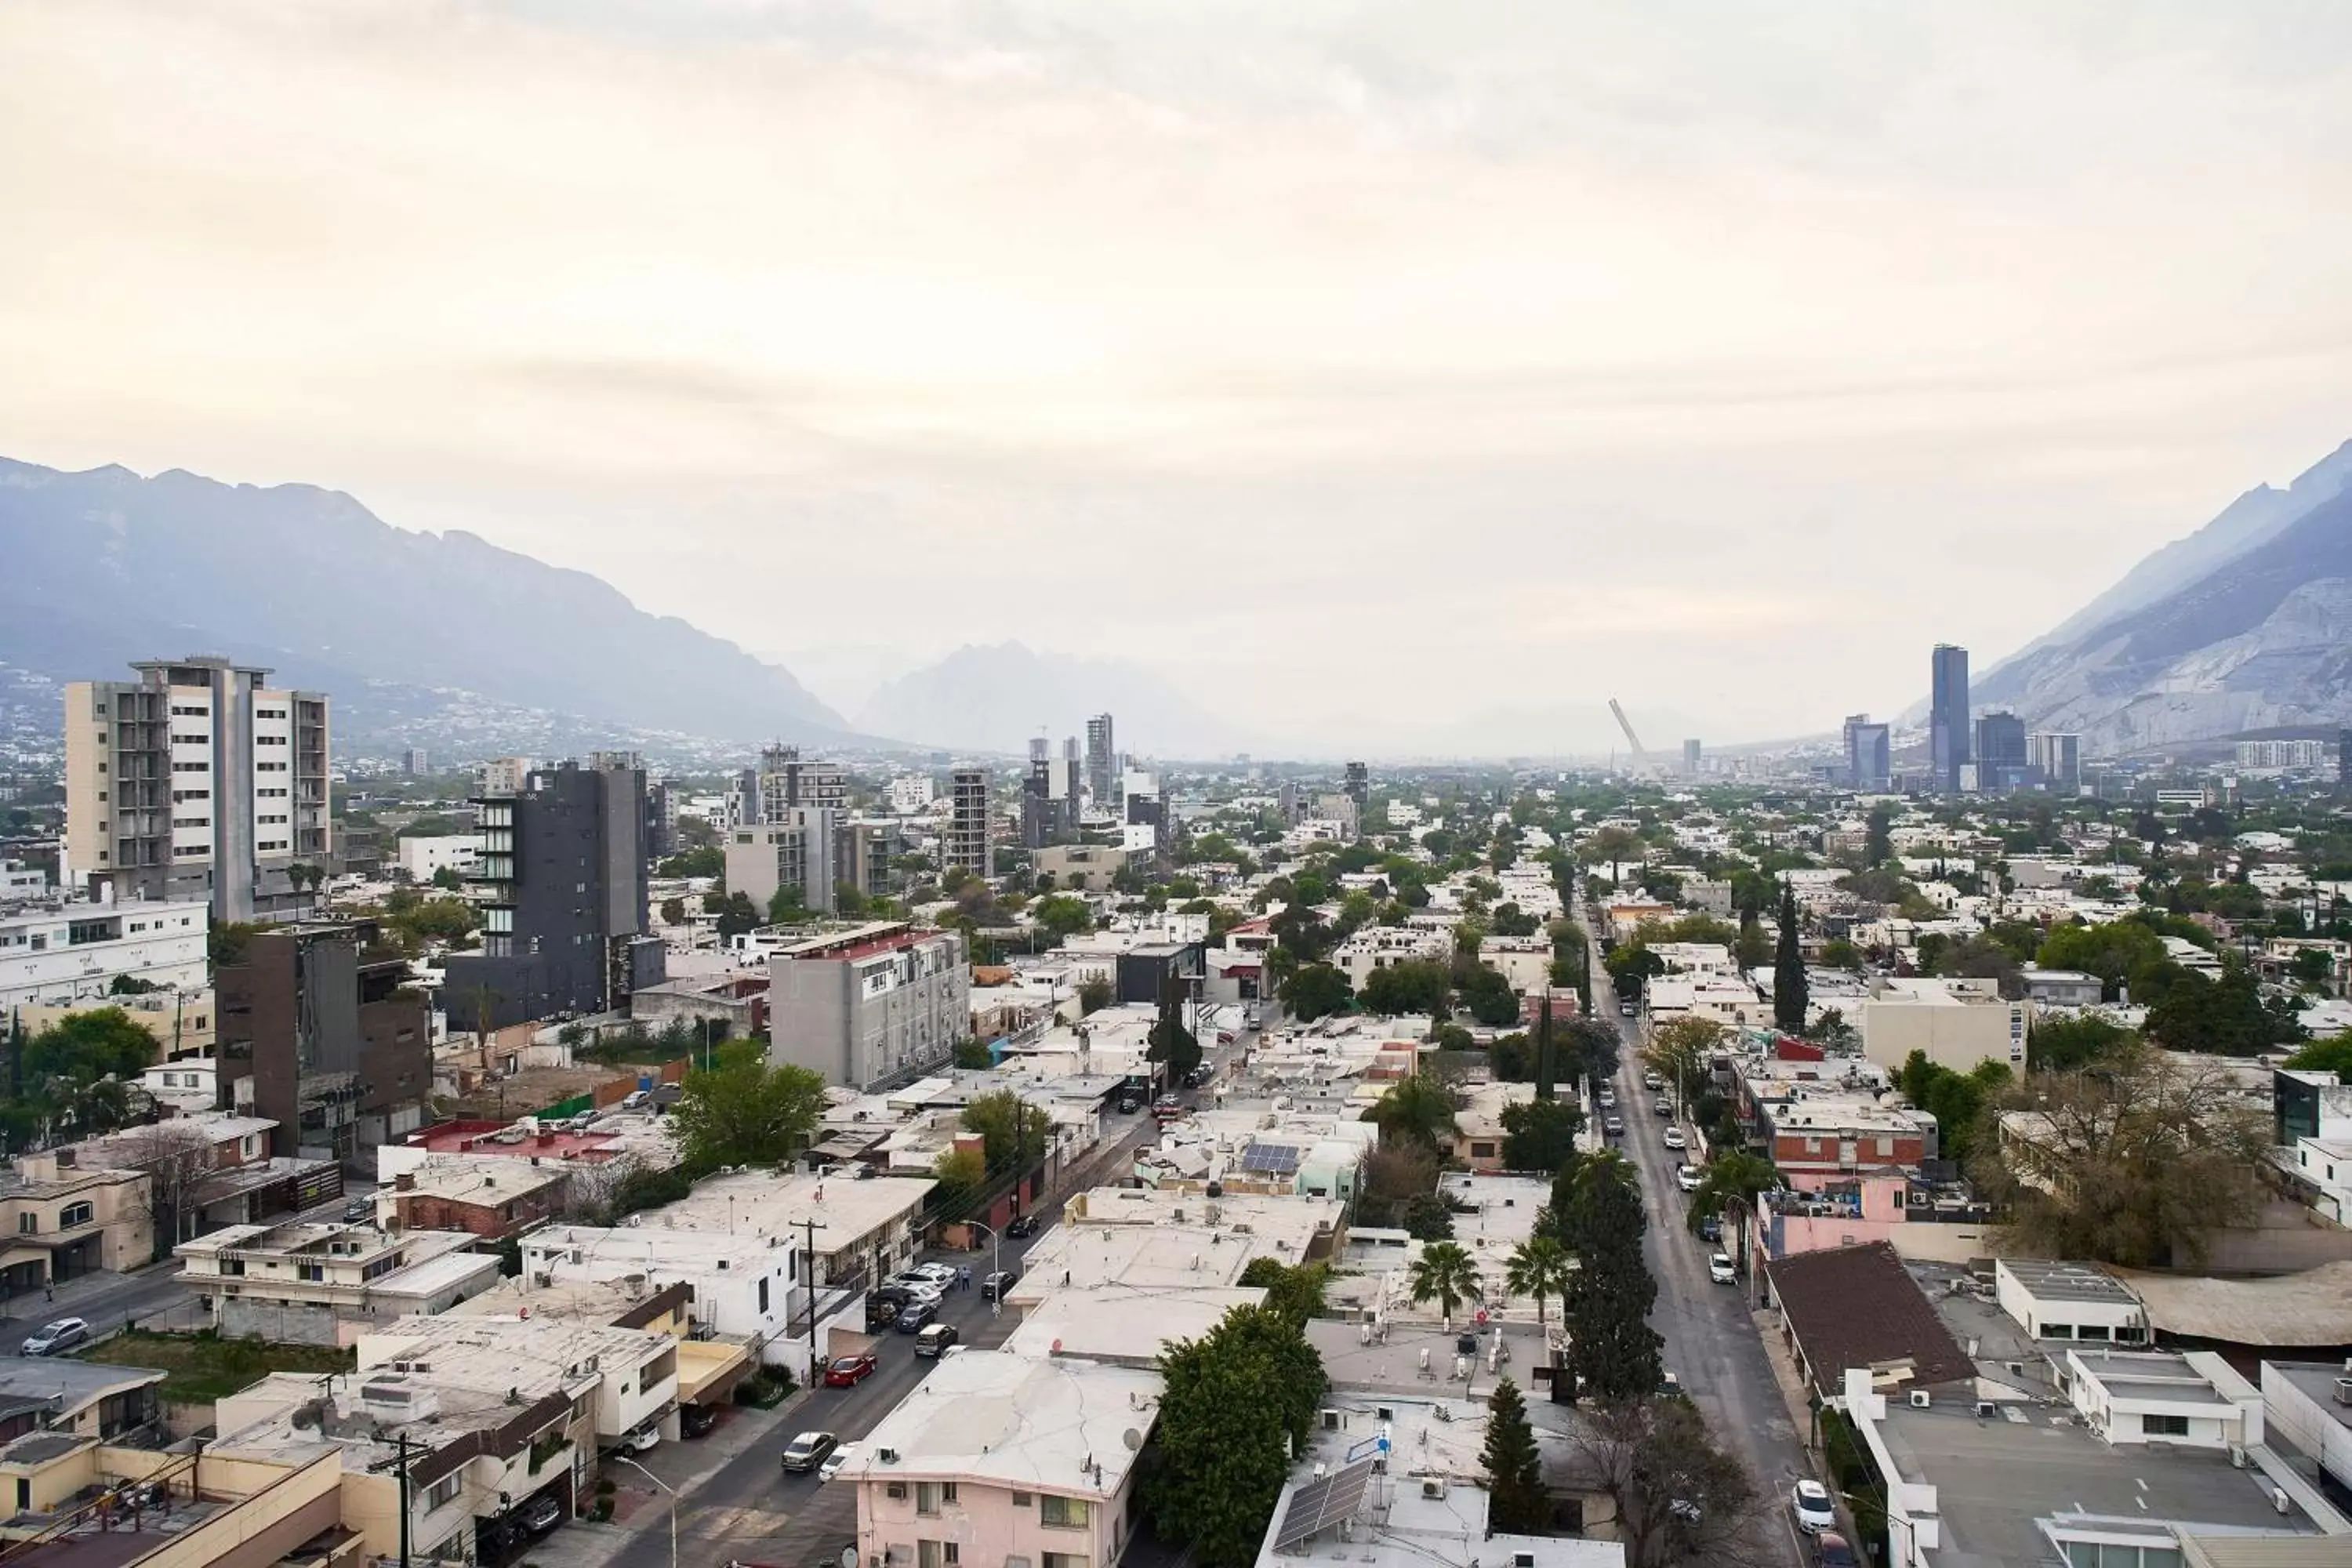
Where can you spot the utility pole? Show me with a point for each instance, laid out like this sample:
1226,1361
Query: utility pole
809,1228
399,1467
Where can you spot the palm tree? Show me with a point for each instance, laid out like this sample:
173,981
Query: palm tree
1417,1109
1734,1181
1538,1267
1445,1274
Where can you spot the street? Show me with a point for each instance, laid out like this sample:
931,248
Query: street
1710,1336
744,1508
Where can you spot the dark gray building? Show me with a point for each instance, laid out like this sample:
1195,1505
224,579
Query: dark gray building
1869,756
1102,763
563,886
1947,716
2000,752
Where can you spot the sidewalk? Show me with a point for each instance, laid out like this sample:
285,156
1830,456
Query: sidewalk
1786,1378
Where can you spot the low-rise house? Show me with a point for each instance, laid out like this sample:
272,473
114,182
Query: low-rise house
632,1373
2187,1401
318,1284
2069,1302
79,1399
998,1457
1478,1131
2062,987
709,1367
489,1198
58,1220
1858,1307
1959,1023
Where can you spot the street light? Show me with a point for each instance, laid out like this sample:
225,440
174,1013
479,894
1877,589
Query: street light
995,1245
657,1480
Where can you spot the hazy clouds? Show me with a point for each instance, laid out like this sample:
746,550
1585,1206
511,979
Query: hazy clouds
1717,356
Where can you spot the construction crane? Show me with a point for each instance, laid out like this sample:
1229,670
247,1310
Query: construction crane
1642,763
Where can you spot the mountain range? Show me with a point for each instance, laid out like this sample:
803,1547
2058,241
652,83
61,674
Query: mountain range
104,567
2244,625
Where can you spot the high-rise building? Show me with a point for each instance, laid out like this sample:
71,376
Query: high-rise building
1947,716
199,780
417,762
562,885
1102,763
2000,752
867,845
2054,761
1869,757
787,781
1071,782
1359,788
335,1048
1041,807
967,840
1692,751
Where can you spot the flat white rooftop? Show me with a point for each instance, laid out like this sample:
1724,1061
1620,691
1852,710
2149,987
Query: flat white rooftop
1018,1421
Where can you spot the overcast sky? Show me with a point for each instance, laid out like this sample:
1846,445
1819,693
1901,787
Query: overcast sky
1356,364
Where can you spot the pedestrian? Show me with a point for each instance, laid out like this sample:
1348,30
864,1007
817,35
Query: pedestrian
48,1293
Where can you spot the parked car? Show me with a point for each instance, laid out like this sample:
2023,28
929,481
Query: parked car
640,1440
934,1338
1719,1269
1710,1229
52,1338
697,1420
1615,1127
1674,1138
915,1318
996,1284
1832,1551
1167,1108
942,1275
915,1291
1664,1108
809,1450
1021,1225
836,1461
1687,1177
1128,1104
1626,1010
849,1371
1652,1082
542,1514
1814,1511
359,1210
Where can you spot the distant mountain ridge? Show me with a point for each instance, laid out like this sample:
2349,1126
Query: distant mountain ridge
997,697
103,567
2260,638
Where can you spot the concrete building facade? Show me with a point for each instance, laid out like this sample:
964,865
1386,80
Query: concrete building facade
870,1005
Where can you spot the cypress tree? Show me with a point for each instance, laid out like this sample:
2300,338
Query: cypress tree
1612,1347
1789,969
1516,1504
1544,1068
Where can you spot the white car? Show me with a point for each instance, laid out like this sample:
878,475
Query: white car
835,1461
52,1338
1675,1139
1719,1269
641,1440
1814,1511
1686,1177
939,1274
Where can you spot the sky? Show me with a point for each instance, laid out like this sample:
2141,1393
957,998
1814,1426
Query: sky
1398,369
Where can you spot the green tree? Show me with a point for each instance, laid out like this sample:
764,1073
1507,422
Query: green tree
788,906
1537,1134
673,912
1613,1348
745,1112
2060,1044
1015,1133
1062,915
705,860
1297,1293
1516,1501
1841,954
1751,949
1445,1274
1316,991
447,880
1733,1182
2228,1016
2120,952
1093,995
83,1047
972,1055
1789,996
734,912
1235,1405
961,1174
1630,967
1540,1268
1680,1050
1416,985
1489,999
1878,837
1416,1111
2331,1055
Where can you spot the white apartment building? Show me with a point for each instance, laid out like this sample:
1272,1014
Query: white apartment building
60,953
1958,1023
301,1283
1383,947
197,780
870,1005
1523,962
912,794
421,858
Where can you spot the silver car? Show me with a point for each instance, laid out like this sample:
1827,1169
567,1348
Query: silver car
52,1338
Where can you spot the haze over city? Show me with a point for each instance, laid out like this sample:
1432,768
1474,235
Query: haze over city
1682,356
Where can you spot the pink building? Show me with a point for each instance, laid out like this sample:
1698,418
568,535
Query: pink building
998,1457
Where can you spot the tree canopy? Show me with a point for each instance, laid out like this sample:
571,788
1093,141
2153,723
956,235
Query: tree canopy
1014,1133
745,1112
1316,991
1789,984
1516,1501
1238,1401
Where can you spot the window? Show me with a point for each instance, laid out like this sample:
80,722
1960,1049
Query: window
926,1498
935,1554
763,1297
1062,1513
1482,1150
444,1490
1021,1499
2164,1425
1063,1560
311,1270
73,1215
28,1223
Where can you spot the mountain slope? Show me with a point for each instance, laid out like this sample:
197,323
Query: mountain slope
2264,639
2253,519
995,698
105,566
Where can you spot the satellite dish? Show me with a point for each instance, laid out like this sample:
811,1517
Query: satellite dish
1132,1438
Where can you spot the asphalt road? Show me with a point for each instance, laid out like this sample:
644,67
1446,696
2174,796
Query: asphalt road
748,1510
105,1301
1710,1335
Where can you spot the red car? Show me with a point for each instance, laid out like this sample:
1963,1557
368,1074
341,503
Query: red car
849,1371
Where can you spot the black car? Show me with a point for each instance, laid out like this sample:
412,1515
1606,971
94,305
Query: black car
697,1420
1021,1225
913,1318
996,1284
542,1514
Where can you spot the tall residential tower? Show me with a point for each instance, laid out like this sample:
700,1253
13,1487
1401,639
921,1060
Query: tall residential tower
1947,716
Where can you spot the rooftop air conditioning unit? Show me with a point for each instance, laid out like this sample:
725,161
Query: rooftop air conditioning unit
1432,1486
897,1488
1919,1399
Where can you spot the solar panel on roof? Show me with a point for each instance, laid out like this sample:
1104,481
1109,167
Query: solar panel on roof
1320,1504
1273,1157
